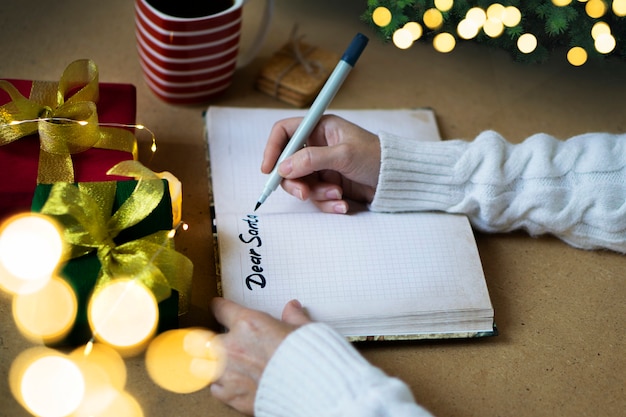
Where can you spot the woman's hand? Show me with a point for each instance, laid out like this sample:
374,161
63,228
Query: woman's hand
251,340
341,161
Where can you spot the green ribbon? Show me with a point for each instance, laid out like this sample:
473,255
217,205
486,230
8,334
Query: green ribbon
48,112
85,212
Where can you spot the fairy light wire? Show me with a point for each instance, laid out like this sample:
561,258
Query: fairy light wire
138,126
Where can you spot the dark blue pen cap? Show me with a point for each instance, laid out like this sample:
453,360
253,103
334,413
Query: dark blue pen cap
355,48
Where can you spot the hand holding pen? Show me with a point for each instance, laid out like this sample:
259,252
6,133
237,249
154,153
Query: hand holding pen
341,161
319,106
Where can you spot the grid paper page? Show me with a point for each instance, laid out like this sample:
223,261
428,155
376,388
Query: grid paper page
237,136
364,265
398,262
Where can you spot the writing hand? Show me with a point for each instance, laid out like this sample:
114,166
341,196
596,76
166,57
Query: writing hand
341,160
250,342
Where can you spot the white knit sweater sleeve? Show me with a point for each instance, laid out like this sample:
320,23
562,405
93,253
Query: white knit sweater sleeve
573,189
316,373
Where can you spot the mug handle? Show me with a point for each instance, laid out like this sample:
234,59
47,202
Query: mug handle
252,52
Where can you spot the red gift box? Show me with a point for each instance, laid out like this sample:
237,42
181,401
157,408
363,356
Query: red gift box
19,160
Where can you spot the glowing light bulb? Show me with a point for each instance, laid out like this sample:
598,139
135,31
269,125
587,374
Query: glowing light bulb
402,38
605,43
102,362
185,360
495,11
577,56
467,29
444,5
381,16
527,43
619,7
415,29
124,314
47,314
561,3
444,42
493,28
31,248
51,385
433,18
477,15
104,373
595,8
599,28
511,16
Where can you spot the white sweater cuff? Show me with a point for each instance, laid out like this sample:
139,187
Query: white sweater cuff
417,176
316,372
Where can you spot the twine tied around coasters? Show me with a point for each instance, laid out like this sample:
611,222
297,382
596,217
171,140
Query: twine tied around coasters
292,50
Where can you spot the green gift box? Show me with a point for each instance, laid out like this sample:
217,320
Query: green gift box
82,272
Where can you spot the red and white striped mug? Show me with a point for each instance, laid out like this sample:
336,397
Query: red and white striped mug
189,49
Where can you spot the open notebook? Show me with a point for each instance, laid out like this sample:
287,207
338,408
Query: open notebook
369,275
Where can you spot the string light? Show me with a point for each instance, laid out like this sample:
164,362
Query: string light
577,56
595,8
444,42
493,20
619,7
403,38
153,145
527,43
90,381
48,314
195,358
433,18
444,5
23,238
47,383
381,16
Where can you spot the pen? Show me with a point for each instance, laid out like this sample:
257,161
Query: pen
319,106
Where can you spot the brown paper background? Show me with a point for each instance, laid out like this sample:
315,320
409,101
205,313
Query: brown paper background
561,312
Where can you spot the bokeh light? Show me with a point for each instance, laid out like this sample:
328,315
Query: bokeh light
47,314
104,373
493,27
46,382
381,16
595,8
124,314
433,18
402,38
101,362
511,16
444,42
599,28
467,29
605,43
31,248
577,56
561,3
444,5
122,404
477,15
495,11
619,7
415,29
527,43
185,360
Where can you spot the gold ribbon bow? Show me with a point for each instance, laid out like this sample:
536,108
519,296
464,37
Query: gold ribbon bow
65,117
84,211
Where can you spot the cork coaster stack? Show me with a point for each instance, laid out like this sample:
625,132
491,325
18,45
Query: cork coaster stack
296,73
